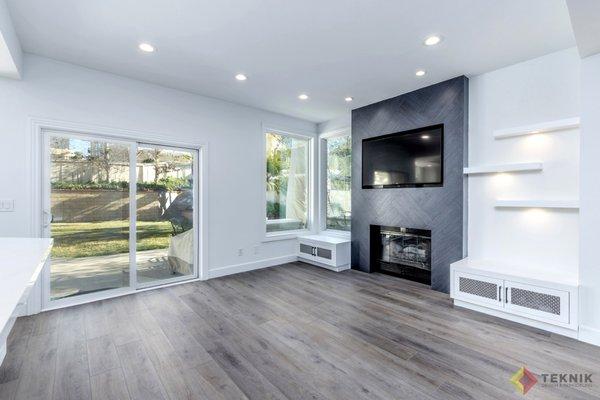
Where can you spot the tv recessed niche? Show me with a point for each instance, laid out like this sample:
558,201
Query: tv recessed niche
413,158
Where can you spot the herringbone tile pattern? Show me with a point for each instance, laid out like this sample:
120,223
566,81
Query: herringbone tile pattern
439,209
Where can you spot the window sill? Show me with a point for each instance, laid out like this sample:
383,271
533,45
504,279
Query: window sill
285,235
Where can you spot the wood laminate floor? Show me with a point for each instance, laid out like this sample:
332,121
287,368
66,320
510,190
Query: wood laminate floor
288,332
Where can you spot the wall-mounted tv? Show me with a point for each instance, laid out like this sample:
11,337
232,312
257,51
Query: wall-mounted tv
404,159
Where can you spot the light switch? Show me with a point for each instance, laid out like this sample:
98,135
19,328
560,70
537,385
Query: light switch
7,205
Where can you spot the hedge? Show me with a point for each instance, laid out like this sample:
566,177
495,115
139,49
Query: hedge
163,184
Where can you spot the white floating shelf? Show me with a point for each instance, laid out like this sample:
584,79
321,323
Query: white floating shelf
568,204
515,167
542,127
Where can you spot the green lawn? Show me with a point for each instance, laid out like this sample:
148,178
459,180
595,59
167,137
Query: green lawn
85,239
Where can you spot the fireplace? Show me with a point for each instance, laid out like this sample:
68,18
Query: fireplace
402,252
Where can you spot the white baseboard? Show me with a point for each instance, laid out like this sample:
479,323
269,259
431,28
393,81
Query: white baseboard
323,265
250,266
589,335
517,318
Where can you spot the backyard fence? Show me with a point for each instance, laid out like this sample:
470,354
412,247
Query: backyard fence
106,205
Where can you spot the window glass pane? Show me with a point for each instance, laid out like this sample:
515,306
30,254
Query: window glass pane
339,153
89,201
165,214
287,182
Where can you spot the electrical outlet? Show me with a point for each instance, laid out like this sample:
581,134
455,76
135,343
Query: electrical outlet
240,252
7,205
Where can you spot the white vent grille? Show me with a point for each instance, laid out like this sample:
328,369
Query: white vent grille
478,288
535,301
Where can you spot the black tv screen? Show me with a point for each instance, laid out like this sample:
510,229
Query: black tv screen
404,159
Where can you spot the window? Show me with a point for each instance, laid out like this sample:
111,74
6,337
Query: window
287,182
338,176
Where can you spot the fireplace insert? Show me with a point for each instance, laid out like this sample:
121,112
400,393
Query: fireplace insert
402,252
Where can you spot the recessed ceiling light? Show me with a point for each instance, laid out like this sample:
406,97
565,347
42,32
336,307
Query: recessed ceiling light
432,40
349,99
303,96
146,47
425,136
241,77
420,73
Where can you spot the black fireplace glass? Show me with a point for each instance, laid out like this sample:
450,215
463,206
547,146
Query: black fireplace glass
402,252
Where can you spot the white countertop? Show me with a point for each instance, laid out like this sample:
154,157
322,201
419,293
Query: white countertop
21,261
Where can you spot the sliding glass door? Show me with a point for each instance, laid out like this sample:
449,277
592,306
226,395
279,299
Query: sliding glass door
89,215
122,215
165,241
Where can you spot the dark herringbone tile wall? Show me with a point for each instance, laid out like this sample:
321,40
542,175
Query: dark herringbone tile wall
440,209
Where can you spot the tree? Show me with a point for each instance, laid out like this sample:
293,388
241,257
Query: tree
163,161
339,153
104,156
99,155
278,155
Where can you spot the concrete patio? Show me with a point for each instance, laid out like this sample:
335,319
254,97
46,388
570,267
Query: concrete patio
82,275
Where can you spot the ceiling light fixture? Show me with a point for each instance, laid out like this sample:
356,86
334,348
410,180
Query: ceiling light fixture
425,136
146,47
303,96
241,77
420,73
432,40
349,99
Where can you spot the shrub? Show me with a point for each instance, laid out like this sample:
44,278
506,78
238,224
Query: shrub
169,184
275,210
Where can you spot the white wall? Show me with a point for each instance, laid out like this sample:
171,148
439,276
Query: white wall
543,89
589,272
341,122
56,90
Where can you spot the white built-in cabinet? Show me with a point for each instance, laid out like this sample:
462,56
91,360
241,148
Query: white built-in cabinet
325,251
512,293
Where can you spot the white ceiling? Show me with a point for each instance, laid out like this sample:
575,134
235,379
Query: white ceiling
330,49
584,20
10,48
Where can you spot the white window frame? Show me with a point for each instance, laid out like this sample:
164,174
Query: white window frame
312,166
346,131
37,160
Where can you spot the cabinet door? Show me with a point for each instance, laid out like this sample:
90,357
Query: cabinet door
306,251
325,255
478,289
537,302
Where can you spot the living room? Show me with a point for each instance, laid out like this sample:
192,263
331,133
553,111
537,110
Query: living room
254,199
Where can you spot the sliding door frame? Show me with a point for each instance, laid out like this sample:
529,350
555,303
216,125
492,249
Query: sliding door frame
39,162
46,217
